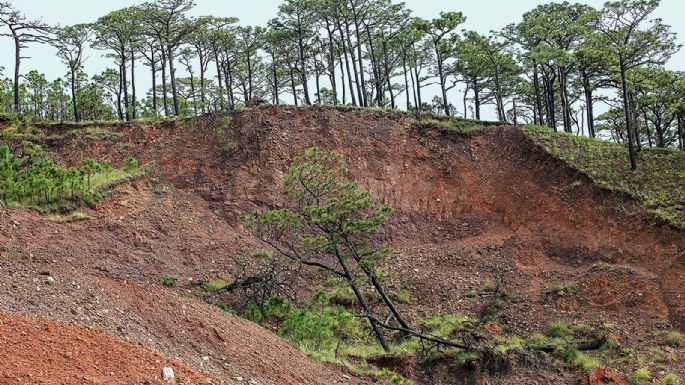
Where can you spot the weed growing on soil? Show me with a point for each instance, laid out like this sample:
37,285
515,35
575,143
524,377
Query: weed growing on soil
641,376
169,280
76,216
674,339
452,125
659,182
215,285
229,147
669,379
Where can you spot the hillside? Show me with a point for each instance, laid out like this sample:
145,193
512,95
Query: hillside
472,207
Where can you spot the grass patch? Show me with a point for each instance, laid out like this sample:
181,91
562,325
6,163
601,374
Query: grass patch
215,285
96,133
658,183
641,376
106,180
75,216
451,125
674,339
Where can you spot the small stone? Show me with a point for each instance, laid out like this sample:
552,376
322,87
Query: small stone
50,280
168,373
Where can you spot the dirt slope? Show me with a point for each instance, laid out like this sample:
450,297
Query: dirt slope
469,209
47,353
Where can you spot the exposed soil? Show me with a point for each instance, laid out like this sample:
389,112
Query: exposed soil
47,352
468,209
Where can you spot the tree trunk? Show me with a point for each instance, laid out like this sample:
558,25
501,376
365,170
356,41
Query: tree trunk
360,91
165,97
587,88
133,84
347,66
476,100
564,101
218,75
406,81
387,74
538,102
17,63
681,136
172,75
74,102
124,83
121,86
154,81
303,65
362,83
203,67
192,91
443,87
292,86
331,64
342,80
362,301
629,129
275,75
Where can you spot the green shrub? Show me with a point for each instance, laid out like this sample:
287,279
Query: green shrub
229,147
585,362
226,308
278,308
403,296
674,339
489,287
253,313
641,376
670,379
319,329
471,294
130,163
343,295
169,280
558,329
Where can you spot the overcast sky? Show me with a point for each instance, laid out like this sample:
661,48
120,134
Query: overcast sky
482,16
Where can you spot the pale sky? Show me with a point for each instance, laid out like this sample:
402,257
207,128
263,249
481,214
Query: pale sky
482,16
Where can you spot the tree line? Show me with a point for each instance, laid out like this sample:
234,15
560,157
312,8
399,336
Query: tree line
550,68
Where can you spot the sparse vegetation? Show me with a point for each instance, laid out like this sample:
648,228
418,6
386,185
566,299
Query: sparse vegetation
34,180
669,379
659,183
75,216
229,147
215,285
641,376
674,339
452,125
170,280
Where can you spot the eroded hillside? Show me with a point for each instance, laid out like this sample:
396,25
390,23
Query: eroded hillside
471,209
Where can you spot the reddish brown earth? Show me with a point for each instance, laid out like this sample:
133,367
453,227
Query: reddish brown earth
469,209
47,352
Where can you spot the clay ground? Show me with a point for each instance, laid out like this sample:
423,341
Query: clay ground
468,209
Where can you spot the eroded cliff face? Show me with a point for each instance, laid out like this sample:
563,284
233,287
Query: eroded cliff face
469,209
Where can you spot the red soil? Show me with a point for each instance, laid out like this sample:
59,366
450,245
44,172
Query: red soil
47,352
